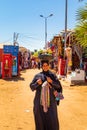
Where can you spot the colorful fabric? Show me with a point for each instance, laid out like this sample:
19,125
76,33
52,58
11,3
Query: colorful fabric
45,96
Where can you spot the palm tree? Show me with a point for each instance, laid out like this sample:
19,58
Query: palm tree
81,28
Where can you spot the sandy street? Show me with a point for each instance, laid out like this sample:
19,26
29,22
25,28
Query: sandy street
16,104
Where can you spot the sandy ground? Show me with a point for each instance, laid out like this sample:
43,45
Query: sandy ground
16,105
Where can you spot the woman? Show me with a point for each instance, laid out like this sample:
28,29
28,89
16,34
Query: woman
45,120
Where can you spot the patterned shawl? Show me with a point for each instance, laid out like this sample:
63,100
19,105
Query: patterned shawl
45,96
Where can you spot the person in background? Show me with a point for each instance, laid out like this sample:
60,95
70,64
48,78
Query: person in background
39,65
45,105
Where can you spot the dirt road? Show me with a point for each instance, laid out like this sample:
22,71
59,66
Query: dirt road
16,105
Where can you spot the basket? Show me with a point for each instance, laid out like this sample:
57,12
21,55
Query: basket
45,57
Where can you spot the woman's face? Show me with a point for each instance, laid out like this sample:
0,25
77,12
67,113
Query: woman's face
45,66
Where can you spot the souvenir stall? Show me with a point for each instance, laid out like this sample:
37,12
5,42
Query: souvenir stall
13,50
7,66
1,53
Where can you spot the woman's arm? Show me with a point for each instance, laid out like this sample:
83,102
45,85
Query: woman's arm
36,82
56,83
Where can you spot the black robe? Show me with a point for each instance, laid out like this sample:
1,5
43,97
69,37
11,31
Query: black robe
48,120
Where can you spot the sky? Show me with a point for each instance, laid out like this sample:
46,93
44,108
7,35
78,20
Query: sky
23,18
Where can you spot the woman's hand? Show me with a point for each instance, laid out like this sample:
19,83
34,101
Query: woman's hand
49,80
39,81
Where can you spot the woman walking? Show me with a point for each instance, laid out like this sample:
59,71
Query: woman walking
45,105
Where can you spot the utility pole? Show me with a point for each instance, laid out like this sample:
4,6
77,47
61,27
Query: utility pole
65,39
46,26
15,37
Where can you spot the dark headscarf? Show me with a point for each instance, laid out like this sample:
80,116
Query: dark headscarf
46,73
44,61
